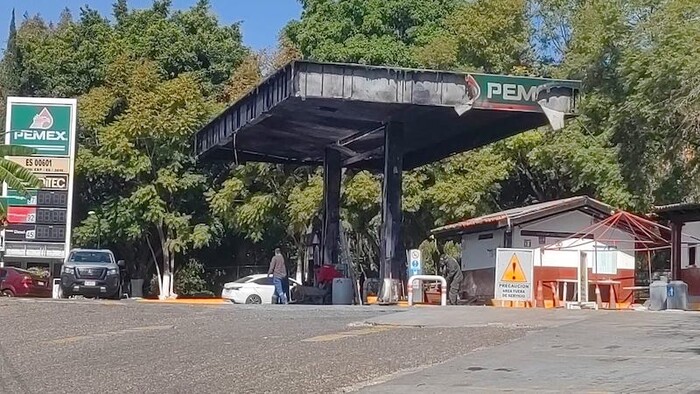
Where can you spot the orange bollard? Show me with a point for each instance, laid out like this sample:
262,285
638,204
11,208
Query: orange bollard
540,295
598,299
613,298
555,292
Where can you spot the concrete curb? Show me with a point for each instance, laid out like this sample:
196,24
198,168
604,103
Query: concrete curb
187,301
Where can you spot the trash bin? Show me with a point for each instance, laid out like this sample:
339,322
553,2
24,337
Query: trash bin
657,295
136,288
677,295
343,292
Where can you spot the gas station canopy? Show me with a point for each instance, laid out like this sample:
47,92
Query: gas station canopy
393,119
298,112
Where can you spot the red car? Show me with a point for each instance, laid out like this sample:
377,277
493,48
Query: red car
15,282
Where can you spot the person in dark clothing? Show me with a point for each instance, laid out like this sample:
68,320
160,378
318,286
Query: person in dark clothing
278,272
452,273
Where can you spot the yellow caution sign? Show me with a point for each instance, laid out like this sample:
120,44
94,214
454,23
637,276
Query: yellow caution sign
514,271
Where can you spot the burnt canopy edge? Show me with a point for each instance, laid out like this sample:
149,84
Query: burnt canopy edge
218,139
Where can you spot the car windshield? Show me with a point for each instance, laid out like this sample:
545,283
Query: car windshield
90,257
243,279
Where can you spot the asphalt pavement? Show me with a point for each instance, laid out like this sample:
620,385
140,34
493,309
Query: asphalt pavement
85,346
571,352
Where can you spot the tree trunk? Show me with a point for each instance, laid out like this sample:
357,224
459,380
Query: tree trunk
301,256
171,264
155,261
167,280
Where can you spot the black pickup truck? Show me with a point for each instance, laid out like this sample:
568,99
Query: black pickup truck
92,273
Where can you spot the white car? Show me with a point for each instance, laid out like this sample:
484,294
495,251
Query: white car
253,289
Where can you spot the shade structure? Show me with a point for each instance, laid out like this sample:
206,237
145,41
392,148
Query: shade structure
379,118
677,215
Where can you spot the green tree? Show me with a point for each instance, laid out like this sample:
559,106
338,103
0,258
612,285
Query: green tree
636,60
483,35
190,41
146,150
269,205
147,49
11,62
367,31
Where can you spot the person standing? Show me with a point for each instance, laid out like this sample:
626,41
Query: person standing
452,273
278,272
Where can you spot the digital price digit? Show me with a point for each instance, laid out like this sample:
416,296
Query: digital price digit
51,216
50,233
52,199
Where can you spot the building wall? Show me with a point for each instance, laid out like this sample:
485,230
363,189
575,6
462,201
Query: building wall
606,238
479,255
690,273
687,250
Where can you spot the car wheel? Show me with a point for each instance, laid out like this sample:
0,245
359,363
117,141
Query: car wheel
8,293
118,294
253,299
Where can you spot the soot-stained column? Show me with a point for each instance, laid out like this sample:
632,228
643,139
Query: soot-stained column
676,235
392,260
331,206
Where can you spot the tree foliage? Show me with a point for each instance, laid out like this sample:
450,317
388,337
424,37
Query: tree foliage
148,78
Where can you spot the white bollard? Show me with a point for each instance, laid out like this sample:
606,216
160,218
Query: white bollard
56,290
443,291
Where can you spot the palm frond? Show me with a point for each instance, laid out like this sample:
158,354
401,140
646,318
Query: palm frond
18,177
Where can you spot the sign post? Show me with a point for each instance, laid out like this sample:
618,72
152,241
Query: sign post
514,275
40,221
415,267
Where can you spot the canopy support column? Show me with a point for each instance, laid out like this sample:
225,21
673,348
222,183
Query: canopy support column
391,259
676,234
331,206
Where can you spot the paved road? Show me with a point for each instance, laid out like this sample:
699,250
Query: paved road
129,347
576,351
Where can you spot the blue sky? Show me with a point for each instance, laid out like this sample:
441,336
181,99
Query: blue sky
261,19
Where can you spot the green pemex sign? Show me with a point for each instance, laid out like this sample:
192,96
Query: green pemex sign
43,127
511,93
49,126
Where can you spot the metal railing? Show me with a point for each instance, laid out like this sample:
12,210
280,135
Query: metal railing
443,288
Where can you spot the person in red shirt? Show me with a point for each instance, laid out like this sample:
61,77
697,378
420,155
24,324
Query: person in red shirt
326,274
324,280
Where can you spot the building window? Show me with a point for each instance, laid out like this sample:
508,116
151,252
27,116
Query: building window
527,243
691,255
542,239
605,260
485,236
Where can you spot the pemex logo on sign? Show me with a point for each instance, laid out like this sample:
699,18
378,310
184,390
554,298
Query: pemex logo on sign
43,120
45,128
